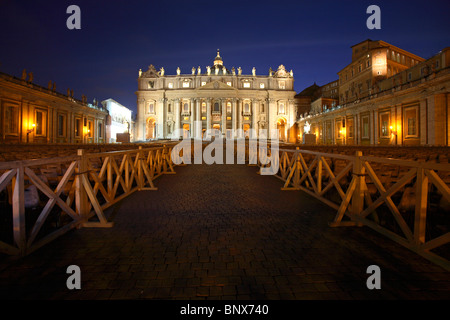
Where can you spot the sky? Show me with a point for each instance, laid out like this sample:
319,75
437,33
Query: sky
117,38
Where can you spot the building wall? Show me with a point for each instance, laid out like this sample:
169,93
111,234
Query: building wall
34,114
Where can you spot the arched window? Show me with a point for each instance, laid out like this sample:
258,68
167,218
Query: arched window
228,107
246,108
151,108
281,108
216,107
186,107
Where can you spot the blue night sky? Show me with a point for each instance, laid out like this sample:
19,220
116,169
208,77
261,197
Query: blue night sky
117,38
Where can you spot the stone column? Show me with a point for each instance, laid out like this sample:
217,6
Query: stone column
198,131
192,117
177,116
422,122
160,117
223,108
374,128
254,117
239,123
233,116
208,114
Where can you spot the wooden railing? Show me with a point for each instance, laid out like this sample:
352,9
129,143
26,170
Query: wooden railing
406,201
44,198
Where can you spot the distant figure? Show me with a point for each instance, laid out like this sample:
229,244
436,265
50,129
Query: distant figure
239,71
24,74
68,92
233,71
50,85
254,71
270,72
30,77
193,70
140,72
178,71
199,70
162,71
71,93
54,87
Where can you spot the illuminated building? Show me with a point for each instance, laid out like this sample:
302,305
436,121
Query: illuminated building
395,98
119,121
31,113
217,97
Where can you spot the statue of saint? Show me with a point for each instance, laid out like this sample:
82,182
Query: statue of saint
292,73
208,68
140,72
24,74
193,70
178,71
31,77
270,72
233,71
239,71
199,71
254,71
162,71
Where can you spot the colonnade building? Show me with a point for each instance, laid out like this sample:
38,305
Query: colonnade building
387,96
224,101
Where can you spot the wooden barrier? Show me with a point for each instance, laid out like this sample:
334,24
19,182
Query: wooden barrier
40,204
407,201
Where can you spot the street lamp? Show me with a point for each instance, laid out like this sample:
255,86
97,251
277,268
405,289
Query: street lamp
30,131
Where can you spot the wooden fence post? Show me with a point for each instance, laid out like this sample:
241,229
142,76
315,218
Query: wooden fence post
421,206
18,205
81,201
358,194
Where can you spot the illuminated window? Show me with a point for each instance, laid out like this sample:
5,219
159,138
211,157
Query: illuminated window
338,129
384,125
203,83
246,84
185,84
281,108
365,127
228,107
61,125
170,85
350,128
229,83
41,122
203,107
78,127
100,129
411,120
282,85
11,120
261,85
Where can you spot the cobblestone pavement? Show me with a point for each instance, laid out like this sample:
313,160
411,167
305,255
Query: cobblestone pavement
223,232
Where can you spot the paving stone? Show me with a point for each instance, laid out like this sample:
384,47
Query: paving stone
222,232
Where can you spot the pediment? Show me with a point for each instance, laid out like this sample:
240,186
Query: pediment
216,85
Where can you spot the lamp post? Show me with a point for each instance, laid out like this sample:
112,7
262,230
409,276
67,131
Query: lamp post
30,131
